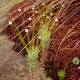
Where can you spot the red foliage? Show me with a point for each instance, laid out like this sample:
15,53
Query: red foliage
67,50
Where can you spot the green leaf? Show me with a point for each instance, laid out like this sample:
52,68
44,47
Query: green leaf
61,74
75,61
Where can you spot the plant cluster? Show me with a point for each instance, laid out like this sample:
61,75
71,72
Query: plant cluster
45,41
32,59
33,27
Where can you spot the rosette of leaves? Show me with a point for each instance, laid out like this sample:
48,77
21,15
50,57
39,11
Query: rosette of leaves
61,74
32,59
45,36
45,41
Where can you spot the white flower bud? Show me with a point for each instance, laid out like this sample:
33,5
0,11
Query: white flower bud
19,10
10,22
56,20
30,18
26,30
32,7
62,5
43,4
35,11
42,22
33,15
51,14
36,4
76,43
39,37
79,67
43,14
48,17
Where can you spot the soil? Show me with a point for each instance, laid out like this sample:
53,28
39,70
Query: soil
13,67
69,49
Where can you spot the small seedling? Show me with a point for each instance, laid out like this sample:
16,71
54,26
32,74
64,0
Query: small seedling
22,75
75,61
61,74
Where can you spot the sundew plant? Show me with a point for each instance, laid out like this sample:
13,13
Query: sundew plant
31,24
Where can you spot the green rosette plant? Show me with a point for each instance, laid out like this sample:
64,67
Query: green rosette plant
45,41
32,59
45,36
61,74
